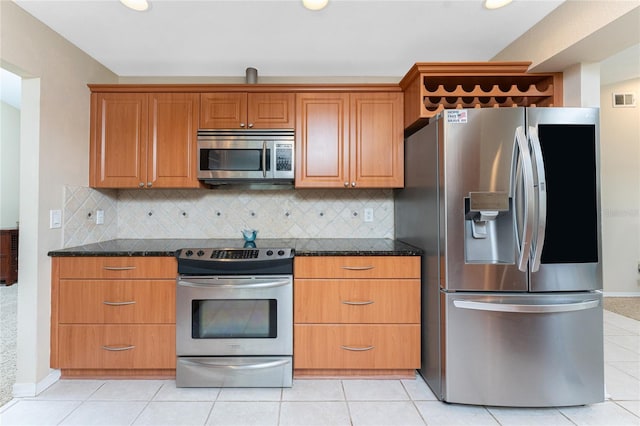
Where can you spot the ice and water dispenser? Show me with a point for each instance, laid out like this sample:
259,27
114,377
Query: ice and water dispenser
489,229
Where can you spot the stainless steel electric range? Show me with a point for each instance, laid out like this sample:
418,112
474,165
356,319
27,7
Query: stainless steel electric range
234,317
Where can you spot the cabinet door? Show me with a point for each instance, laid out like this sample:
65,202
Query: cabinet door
223,110
271,110
376,142
172,145
118,140
322,129
117,346
356,301
117,301
356,346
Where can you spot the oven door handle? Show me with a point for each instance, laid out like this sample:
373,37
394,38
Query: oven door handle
256,366
230,283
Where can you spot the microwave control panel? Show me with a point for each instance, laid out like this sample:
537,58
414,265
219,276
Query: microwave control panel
284,157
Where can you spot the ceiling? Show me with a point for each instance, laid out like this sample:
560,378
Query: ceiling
349,38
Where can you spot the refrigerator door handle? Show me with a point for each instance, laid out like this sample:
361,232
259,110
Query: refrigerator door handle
522,148
526,309
541,191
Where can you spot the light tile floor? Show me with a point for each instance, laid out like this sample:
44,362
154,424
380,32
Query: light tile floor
325,402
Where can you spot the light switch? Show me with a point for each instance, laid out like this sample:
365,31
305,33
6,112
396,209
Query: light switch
55,219
99,217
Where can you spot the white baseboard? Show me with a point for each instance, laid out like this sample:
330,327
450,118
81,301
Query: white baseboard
33,389
621,294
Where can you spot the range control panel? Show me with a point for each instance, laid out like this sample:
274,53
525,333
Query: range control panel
231,255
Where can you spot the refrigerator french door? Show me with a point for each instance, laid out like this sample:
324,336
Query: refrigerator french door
505,204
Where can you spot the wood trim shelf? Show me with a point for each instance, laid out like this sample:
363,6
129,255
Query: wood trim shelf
258,88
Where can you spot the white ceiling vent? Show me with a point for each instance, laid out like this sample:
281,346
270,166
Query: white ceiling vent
624,100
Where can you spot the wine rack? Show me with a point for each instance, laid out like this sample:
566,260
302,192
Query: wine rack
430,88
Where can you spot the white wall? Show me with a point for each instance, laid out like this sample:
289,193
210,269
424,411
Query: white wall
620,167
54,151
9,165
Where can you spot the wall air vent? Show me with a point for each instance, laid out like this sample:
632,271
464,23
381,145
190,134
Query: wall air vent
624,100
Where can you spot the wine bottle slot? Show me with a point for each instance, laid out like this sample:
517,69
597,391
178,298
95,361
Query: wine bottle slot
449,87
542,86
430,86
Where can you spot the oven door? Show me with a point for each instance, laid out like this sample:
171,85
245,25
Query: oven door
234,316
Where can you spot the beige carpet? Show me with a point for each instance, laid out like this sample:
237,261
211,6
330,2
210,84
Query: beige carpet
627,306
8,337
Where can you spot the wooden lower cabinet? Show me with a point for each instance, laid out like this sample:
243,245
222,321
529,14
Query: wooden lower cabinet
113,316
356,316
117,346
361,346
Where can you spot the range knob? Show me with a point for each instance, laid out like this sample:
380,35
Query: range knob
280,252
200,253
188,253
269,252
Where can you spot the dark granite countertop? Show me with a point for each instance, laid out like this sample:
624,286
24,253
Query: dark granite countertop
302,246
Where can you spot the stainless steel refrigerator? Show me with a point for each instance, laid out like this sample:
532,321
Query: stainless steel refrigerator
505,203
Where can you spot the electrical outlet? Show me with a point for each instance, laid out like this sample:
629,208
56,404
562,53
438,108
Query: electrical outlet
368,215
99,217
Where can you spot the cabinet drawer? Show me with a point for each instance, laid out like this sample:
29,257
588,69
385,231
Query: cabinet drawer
356,301
117,267
357,267
356,346
117,301
117,346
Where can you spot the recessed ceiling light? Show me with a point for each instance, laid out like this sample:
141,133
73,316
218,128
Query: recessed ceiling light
139,5
495,4
315,4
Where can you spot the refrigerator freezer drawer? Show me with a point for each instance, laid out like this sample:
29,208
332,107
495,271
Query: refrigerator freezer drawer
523,350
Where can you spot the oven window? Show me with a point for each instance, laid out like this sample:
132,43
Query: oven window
234,318
233,159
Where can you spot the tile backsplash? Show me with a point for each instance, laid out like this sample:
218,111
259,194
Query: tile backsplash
222,213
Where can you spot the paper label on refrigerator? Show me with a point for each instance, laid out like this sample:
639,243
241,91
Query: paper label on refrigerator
456,116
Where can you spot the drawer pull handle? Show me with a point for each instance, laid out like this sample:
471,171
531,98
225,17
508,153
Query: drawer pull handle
118,348
119,268
119,303
367,302
358,268
357,349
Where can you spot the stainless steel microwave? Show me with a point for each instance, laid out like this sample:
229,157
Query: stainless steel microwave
246,156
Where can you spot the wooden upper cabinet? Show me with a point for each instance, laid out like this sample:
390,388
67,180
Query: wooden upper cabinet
377,140
322,132
144,140
233,110
349,140
119,124
172,144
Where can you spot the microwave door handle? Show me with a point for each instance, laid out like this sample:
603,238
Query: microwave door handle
541,192
264,159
